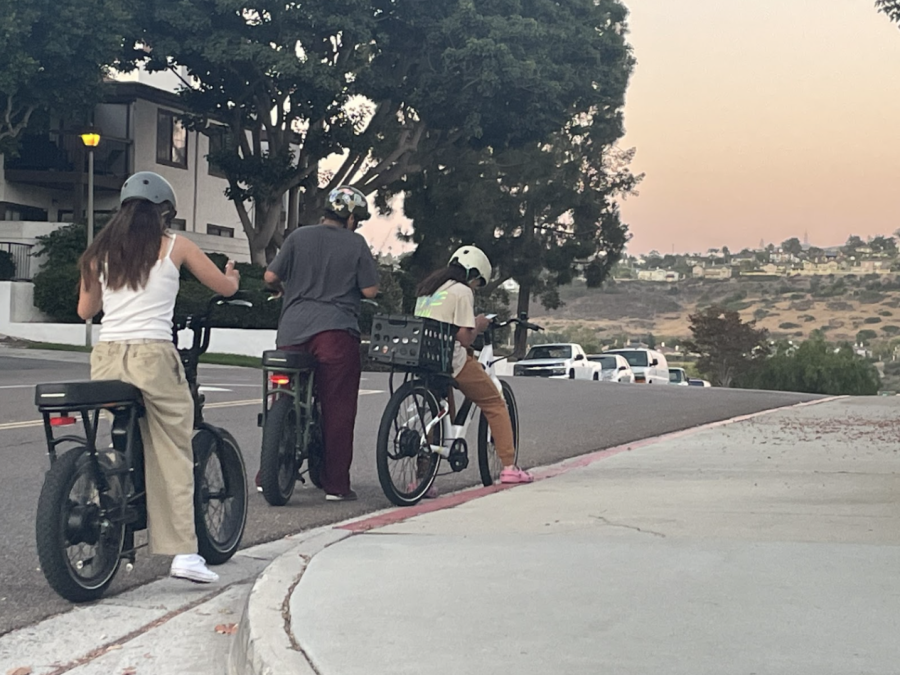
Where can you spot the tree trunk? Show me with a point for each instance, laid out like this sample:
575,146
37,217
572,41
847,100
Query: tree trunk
521,337
268,217
293,214
524,300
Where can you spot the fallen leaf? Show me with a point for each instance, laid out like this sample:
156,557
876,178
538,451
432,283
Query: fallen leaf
130,670
24,670
226,628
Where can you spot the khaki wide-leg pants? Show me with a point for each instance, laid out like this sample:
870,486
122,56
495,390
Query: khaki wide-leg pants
153,366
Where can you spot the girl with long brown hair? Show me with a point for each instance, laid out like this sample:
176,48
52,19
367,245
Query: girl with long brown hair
131,272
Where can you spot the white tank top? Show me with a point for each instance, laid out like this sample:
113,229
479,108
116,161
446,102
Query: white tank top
145,313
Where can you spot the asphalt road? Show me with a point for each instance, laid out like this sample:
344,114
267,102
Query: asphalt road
559,419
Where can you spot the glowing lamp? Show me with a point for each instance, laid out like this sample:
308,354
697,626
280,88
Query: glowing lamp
91,139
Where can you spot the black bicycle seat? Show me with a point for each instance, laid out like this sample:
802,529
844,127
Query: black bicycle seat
96,393
277,358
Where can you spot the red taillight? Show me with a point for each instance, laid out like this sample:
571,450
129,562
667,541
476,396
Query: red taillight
62,421
279,380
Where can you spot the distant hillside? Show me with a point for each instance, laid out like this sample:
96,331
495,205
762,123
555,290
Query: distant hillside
788,307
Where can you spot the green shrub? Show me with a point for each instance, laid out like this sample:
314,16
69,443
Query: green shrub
892,368
816,367
885,312
872,320
890,330
7,266
871,297
56,292
864,336
788,326
807,318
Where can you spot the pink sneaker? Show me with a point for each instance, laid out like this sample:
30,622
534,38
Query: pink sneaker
513,474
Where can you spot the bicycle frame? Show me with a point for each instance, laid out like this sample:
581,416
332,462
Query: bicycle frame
300,386
457,427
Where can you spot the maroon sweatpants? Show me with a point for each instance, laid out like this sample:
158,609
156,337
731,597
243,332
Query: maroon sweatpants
337,385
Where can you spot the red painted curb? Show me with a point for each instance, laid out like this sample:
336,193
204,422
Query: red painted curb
399,514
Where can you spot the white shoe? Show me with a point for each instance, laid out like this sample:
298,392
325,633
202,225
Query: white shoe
193,568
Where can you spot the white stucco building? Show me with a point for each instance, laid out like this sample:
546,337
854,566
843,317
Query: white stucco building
45,185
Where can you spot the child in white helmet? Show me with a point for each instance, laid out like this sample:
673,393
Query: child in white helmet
447,295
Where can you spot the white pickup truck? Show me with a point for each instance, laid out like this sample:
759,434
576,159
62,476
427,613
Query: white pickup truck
564,360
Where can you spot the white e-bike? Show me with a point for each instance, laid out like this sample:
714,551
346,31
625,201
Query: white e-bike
419,427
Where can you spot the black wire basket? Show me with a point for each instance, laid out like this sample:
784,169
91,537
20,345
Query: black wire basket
412,343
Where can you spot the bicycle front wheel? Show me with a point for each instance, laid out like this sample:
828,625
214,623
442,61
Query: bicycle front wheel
220,494
489,463
406,465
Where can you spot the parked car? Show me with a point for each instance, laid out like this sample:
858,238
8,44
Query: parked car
695,382
613,368
565,360
678,376
648,365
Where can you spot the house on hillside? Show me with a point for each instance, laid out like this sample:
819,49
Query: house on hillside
45,185
872,266
661,276
714,272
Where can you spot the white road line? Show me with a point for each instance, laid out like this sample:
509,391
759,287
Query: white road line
7,426
20,425
205,388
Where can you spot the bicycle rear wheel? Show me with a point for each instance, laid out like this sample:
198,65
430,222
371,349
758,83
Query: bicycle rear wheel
489,463
220,494
278,460
406,465
79,529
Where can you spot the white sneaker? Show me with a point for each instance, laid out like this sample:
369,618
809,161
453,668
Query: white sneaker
193,568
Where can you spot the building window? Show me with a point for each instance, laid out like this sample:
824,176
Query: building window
20,212
179,224
171,140
219,231
216,146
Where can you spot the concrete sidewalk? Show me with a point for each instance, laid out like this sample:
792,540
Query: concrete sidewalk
768,545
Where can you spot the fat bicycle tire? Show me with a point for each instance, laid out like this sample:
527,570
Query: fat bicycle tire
278,462
220,494
489,463
58,515
399,441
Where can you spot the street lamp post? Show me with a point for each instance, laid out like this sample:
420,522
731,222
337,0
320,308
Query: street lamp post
91,140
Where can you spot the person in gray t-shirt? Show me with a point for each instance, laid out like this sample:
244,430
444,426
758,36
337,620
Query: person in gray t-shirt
323,272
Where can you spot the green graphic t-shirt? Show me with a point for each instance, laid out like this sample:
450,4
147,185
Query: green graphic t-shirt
453,303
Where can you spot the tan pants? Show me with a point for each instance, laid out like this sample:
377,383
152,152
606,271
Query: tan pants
475,383
153,367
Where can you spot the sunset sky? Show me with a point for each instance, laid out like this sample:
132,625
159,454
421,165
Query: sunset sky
758,121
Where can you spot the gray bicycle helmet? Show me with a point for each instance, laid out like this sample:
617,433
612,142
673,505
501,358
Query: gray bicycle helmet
150,186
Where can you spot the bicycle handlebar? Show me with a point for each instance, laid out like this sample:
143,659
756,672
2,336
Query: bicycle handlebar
198,322
521,320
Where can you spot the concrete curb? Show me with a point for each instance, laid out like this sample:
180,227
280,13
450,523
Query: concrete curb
264,644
